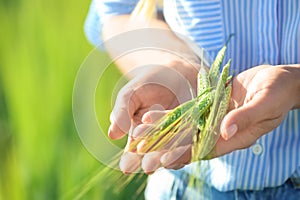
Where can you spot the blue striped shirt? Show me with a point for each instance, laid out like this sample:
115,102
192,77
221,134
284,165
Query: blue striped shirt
266,32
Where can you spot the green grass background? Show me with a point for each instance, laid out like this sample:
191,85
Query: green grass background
42,45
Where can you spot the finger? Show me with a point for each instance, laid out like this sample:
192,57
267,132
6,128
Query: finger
140,131
151,161
178,156
122,113
131,144
238,141
183,137
243,117
130,162
135,141
142,147
178,166
153,115
223,147
114,132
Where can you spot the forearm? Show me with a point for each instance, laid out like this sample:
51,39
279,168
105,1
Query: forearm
168,50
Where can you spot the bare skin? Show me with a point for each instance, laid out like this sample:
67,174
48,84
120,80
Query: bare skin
148,64
261,98
259,104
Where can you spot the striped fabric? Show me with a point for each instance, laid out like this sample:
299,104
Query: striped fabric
266,32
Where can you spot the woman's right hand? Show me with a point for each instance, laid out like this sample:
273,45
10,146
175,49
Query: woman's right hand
152,88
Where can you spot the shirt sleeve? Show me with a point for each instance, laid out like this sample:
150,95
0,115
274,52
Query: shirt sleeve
99,12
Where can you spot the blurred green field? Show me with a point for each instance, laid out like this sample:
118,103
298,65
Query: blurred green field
41,155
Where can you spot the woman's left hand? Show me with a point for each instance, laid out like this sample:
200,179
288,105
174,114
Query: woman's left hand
261,98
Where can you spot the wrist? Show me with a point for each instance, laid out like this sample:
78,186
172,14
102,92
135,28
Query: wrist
184,74
188,70
294,71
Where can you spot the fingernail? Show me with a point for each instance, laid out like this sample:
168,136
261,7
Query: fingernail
163,159
109,130
231,130
146,119
136,132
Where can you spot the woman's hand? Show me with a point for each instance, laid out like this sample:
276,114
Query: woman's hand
152,87
261,98
173,155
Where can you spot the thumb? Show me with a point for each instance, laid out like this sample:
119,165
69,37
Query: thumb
243,117
122,113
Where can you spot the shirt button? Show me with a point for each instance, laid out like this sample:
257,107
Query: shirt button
257,149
